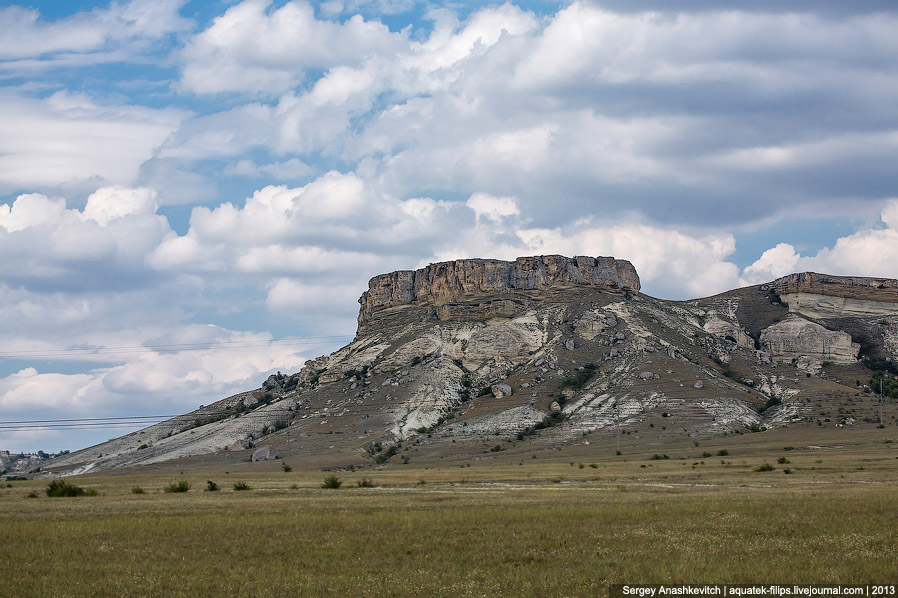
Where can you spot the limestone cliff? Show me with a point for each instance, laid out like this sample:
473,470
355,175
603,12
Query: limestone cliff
444,283
824,296
795,337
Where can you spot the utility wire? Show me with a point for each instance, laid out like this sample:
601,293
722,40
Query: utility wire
172,348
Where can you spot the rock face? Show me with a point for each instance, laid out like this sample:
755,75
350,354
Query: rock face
795,337
266,453
856,287
465,280
824,296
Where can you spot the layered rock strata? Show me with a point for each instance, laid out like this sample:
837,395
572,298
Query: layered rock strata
447,283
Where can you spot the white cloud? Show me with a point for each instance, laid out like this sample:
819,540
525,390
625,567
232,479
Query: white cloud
68,139
868,252
111,203
492,208
101,29
150,380
251,48
47,245
773,263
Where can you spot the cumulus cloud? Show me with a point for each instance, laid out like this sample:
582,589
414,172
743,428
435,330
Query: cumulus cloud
48,246
251,48
594,108
868,252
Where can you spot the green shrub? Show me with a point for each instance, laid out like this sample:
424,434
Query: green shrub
58,488
137,490
31,494
579,380
723,453
286,467
783,461
764,467
211,486
365,483
240,486
182,486
332,482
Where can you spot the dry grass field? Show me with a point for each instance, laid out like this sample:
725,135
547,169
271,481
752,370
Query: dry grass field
566,523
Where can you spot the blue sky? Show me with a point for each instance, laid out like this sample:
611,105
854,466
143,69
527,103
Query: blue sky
184,185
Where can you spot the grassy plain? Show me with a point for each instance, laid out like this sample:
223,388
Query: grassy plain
502,526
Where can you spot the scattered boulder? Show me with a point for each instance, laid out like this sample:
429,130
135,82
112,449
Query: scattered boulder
555,407
698,385
240,445
648,376
501,390
265,453
569,344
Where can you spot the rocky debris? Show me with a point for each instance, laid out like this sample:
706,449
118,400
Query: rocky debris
445,282
313,368
723,328
648,376
240,445
569,344
265,453
698,385
501,390
414,351
796,337
250,400
555,407
590,325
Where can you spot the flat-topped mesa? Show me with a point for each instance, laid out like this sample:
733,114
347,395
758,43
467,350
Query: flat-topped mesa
464,280
854,287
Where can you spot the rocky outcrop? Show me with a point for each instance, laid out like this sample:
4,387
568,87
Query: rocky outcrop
852,287
818,306
795,338
446,283
265,453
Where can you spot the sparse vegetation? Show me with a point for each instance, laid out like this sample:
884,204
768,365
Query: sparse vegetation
365,483
182,486
332,482
137,490
764,467
61,488
241,486
579,380
286,468
211,486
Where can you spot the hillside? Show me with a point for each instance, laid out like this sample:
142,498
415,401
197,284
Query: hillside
474,357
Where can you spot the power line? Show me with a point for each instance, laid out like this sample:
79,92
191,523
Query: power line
171,348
